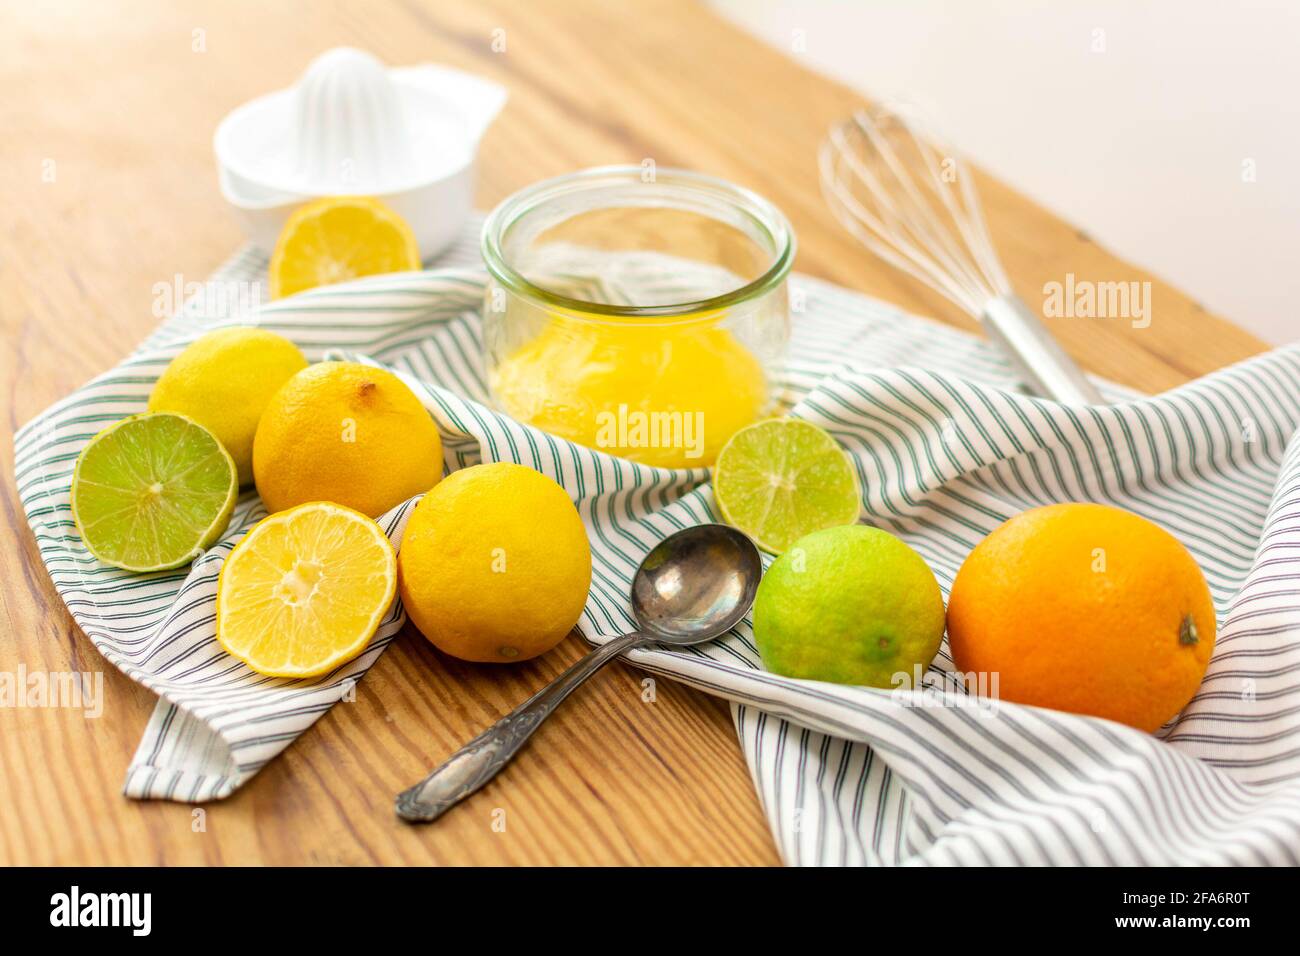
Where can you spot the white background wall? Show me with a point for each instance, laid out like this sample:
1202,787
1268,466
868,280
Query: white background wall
1133,119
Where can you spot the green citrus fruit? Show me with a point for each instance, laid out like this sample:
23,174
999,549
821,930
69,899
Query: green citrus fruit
780,479
851,605
152,492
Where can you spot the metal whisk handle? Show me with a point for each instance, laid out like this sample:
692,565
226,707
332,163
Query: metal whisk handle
1042,363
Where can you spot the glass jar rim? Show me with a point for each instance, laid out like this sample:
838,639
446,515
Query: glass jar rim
749,204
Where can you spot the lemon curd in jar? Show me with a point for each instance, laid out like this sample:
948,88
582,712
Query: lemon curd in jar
646,319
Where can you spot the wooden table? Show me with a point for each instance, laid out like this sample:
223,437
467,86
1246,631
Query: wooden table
109,187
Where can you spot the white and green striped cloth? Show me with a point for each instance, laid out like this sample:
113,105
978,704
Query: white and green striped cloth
946,450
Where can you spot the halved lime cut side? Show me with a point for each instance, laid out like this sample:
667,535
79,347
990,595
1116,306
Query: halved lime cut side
152,492
780,479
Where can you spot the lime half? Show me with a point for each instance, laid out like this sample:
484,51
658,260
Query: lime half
152,492
783,478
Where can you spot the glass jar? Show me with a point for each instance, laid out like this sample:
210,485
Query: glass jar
638,311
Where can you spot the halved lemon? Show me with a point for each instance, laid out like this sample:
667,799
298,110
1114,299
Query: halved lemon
305,590
337,238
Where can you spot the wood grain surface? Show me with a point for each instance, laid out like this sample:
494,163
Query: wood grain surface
109,187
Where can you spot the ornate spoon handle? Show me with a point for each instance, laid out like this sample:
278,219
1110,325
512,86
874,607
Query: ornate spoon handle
482,758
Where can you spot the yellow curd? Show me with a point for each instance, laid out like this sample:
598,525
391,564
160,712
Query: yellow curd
667,396
639,311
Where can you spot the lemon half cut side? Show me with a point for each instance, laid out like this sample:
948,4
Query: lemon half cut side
305,590
338,238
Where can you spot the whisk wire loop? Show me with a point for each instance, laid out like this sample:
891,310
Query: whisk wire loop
913,203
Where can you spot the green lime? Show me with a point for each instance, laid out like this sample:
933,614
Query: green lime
780,479
152,492
851,605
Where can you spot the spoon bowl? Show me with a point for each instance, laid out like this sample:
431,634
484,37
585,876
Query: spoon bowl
694,586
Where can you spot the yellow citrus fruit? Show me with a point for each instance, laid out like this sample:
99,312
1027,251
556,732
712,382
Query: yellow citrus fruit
348,433
603,384
1085,608
305,590
337,238
495,564
223,381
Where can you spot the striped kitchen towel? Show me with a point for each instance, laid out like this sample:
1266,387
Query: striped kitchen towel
946,450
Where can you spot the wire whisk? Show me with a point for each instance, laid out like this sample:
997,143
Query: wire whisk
912,203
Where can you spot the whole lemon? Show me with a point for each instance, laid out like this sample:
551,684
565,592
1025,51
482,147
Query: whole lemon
223,381
347,433
849,605
494,564
1085,608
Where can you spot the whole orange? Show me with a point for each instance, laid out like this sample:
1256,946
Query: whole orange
1084,608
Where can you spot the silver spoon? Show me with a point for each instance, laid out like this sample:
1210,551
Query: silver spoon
694,586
